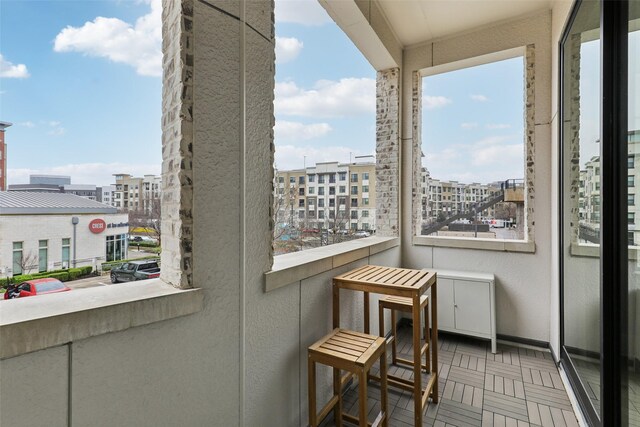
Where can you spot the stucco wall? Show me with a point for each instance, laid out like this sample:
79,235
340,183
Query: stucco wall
523,280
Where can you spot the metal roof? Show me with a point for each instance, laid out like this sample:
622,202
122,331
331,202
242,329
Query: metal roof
19,202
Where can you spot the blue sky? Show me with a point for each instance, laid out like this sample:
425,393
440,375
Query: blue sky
81,82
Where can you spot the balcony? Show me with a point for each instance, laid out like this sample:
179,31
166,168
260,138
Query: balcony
222,338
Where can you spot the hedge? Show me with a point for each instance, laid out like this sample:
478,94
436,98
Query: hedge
62,275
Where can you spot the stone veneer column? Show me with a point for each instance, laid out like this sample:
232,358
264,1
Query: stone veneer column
416,144
572,138
387,152
530,138
177,142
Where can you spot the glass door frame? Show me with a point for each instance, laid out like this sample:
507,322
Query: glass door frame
614,18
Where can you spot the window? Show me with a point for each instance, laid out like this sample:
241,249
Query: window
631,181
320,214
631,199
321,203
301,214
500,84
365,226
332,215
301,203
354,190
320,178
301,180
365,176
301,191
312,190
332,203
342,201
354,214
365,214
332,178
365,188
292,180
312,178
631,218
320,191
17,258
354,177
66,252
342,189
332,191
342,176
630,161
116,247
354,202
42,255
365,201
311,214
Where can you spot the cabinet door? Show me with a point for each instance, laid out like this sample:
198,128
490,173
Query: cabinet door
445,304
472,306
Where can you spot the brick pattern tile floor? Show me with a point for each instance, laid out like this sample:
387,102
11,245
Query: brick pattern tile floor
515,387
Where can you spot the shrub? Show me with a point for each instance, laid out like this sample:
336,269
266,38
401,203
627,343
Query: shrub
74,273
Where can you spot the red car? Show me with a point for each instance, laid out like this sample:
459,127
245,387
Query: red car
35,287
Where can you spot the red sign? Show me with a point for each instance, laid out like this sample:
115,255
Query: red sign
97,226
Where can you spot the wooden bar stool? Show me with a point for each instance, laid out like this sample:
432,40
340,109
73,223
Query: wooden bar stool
403,304
354,352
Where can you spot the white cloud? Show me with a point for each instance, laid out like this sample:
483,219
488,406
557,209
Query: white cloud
27,124
9,70
479,98
285,130
57,129
469,125
305,12
433,102
493,126
292,157
84,173
54,123
287,49
136,45
347,97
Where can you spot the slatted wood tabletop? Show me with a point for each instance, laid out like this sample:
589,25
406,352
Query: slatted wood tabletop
400,282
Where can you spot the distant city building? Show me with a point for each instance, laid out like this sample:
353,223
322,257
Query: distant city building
589,200
105,194
3,156
56,184
133,194
329,195
38,232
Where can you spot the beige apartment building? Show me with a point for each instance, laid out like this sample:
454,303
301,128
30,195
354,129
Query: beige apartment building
331,195
133,194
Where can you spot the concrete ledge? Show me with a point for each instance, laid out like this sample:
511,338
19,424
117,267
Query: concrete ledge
592,250
32,324
482,244
290,268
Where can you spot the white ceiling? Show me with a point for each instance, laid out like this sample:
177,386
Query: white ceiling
415,21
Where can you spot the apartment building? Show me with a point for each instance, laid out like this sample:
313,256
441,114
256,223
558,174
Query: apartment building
332,195
136,193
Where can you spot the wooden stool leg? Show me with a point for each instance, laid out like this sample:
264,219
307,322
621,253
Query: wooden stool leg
381,320
313,422
337,390
383,388
426,338
394,333
362,398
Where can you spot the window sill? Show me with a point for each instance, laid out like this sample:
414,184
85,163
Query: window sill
293,267
32,324
483,244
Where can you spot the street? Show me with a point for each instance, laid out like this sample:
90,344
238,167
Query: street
90,282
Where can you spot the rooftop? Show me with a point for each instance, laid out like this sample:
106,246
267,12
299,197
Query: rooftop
18,202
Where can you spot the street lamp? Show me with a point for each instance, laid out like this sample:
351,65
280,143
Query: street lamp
74,220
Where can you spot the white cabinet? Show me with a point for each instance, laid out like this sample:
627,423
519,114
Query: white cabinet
466,304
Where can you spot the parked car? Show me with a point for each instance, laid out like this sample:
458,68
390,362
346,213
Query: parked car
135,270
35,287
362,234
141,239
342,232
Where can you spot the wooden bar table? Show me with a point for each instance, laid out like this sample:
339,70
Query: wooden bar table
405,283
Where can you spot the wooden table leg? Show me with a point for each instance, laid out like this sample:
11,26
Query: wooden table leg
366,313
336,306
434,339
417,366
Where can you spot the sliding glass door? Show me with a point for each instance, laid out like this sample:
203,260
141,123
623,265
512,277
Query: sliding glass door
600,204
